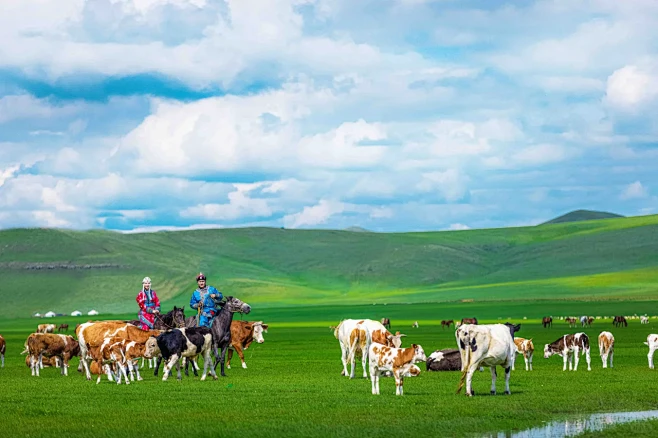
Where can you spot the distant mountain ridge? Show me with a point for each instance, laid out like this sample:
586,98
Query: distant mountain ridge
582,215
356,229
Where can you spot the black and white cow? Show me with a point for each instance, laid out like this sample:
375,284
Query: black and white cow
179,343
570,347
444,360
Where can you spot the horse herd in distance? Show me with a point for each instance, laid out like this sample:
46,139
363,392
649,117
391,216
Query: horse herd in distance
478,346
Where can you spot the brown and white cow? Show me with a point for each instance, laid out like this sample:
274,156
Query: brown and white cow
93,334
526,348
606,347
399,361
243,333
355,337
50,345
3,346
570,347
49,362
46,328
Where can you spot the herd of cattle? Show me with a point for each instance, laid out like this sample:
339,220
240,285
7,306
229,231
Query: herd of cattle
478,346
114,347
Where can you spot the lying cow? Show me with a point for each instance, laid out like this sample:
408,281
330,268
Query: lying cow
49,362
569,347
526,348
243,333
50,345
182,342
606,347
485,345
46,328
399,361
652,343
444,360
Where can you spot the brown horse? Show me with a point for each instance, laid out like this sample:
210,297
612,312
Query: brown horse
547,321
620,320
63,328
447,323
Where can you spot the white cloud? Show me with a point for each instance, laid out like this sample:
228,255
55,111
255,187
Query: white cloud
631,86
458,226
314,215
450,184
8,172
634,191
541,154
240,206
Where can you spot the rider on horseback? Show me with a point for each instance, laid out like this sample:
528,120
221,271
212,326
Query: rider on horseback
206,300
149,305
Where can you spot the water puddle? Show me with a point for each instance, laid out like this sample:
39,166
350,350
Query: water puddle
566,428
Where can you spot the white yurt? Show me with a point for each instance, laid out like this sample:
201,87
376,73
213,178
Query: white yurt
76,313
49,314
92,312
37,315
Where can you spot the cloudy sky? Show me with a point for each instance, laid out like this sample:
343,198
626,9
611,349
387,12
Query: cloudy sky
393,115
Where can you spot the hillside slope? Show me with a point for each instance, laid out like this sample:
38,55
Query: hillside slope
46,269
582,215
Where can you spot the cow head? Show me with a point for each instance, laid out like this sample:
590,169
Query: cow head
419,354
258,332
548,351
395,340
236,305
151,349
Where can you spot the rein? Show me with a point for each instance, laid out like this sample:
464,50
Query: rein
164,323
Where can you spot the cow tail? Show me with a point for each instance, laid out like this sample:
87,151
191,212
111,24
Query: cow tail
465,366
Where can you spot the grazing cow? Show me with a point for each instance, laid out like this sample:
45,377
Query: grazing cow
485,345
399,361
652,343
571,321
3,346
243,333
569,347
355,337
110,354
50,345
414,325
644,320
182,342
526,348
386,323
547,321
63,328
444,360
447,323
469,321
93,334
618,321
46,328
606,347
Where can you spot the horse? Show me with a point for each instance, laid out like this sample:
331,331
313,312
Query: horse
469,321
173,319
620,320
447,323
221,331
547,321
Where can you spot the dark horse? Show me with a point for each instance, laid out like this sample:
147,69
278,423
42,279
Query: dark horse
547,321
221,331
447,323
619,321
170,320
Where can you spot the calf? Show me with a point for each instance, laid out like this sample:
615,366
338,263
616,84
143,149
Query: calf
571,321
111,354
644,320
414,325
485,345
652,342
50,362
182,342
50,345
399,361
444,360
526,348
243,333
569,347
606,347
3,346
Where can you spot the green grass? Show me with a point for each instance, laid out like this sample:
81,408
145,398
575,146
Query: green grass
293,387
60,270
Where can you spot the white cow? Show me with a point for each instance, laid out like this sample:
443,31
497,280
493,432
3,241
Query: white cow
398,361
355,337
652,342
485,345
606,348
644,320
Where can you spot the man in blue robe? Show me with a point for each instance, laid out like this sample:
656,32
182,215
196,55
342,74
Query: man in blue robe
207,301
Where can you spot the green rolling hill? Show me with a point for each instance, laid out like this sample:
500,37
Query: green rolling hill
582,215
60,270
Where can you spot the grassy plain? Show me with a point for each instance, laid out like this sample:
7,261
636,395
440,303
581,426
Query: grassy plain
293,387
60,270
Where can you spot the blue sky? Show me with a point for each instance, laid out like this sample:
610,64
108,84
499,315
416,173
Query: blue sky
393,115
